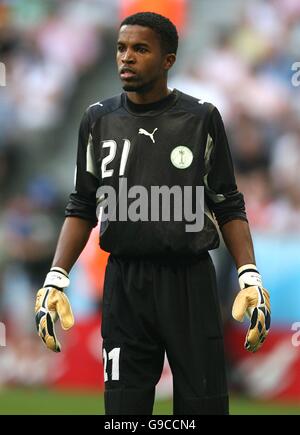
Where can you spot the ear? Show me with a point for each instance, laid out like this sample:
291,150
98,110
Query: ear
169,61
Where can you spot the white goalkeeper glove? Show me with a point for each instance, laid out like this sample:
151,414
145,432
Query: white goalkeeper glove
254,301
51,304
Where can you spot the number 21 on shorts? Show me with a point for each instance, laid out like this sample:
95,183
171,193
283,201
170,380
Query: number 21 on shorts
114,356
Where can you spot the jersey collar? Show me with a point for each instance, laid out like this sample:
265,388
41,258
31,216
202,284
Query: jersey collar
151,109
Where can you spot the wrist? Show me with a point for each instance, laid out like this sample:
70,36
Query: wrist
57,278
248,276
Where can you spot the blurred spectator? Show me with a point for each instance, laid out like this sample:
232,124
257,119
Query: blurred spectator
30,233
249,147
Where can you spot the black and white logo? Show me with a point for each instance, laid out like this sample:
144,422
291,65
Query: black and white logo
146,133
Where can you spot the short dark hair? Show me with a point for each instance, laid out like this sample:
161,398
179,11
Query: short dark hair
161,25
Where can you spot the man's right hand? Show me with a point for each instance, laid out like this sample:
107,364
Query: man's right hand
51,304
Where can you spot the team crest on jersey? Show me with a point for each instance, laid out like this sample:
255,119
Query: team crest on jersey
181,157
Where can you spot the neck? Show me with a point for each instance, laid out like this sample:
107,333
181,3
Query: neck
150,96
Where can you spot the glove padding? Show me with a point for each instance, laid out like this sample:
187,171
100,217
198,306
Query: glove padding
50,305
253,301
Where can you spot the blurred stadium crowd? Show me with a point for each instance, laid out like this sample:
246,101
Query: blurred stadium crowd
47,47
240,60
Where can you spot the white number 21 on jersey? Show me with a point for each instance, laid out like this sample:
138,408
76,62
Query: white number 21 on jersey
112,145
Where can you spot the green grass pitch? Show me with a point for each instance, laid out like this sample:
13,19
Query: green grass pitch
53,402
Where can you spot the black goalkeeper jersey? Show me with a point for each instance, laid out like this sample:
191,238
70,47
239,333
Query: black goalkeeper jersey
178,141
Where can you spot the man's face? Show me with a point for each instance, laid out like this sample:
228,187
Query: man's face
141,62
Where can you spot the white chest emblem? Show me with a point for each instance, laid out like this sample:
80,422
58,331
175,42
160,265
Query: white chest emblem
146,133
181,157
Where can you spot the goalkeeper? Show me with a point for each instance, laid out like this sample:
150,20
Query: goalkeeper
160,293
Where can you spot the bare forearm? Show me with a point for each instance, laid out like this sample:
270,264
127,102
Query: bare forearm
237,238
73,237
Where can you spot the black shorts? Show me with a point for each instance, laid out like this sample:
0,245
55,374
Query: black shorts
153,307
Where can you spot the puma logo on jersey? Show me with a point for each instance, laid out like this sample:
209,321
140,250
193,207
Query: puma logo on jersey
146,133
